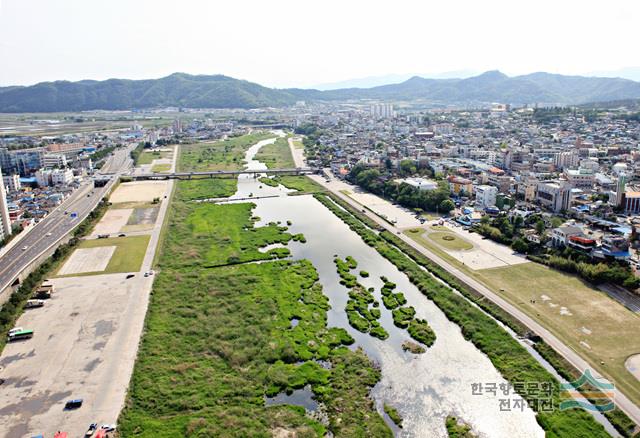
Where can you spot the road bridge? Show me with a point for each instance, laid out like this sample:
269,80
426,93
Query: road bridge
222,173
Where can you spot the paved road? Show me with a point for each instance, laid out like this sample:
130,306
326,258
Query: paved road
49,231
622,402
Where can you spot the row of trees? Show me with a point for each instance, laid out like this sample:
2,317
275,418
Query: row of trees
404,194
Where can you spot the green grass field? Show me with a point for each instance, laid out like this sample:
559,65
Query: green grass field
218,340
161,168
298,144
127,257
300,183
147,157
595,319
206,188
220,155
448,240
277,155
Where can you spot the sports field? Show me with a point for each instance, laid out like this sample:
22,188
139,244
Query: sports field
127,257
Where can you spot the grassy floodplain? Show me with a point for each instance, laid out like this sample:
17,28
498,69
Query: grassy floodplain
220,155
277,155
218,340
507,355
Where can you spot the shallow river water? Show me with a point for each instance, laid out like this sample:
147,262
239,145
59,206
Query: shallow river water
424,388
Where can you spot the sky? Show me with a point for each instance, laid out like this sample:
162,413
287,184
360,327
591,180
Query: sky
283,43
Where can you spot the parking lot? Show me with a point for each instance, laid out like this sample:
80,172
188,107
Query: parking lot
84,346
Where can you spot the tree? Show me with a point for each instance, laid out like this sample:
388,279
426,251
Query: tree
446,206
540,227
407,167
519,245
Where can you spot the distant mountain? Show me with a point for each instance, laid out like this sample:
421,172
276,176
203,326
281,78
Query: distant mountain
632,73
189,91
178,89
376,81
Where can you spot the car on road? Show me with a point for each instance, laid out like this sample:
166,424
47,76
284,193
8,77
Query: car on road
122,235
24,248
108,427
73,404
48,234
130,276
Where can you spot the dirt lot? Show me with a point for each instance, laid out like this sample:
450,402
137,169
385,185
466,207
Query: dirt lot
88,260
84,347
141,191
113,221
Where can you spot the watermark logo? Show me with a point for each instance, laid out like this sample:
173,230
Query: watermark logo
598,396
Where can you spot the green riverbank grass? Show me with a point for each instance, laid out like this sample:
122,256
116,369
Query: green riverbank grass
218,340
220,155
277,155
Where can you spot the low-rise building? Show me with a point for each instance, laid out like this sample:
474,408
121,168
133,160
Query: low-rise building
555,195
419,183
485,196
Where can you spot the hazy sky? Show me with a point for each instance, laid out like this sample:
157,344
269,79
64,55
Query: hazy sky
300,43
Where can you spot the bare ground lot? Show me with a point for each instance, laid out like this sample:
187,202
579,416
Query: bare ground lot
112,221
470,249
84,347
142,219
142,191
88,260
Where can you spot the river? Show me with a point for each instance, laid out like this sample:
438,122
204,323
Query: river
424,388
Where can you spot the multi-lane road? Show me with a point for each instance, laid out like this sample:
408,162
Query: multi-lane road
52,229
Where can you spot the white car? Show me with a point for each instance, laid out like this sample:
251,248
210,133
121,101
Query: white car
48,234
108,427
24,248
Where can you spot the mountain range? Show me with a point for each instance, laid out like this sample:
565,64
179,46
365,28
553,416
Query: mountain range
218,91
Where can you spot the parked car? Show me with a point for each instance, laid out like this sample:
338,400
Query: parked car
130,276
33,304
122,235
108,427
73,404
92,428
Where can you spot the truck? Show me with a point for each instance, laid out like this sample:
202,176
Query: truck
44,291
18,335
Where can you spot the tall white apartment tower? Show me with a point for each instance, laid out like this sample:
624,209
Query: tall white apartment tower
5,227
